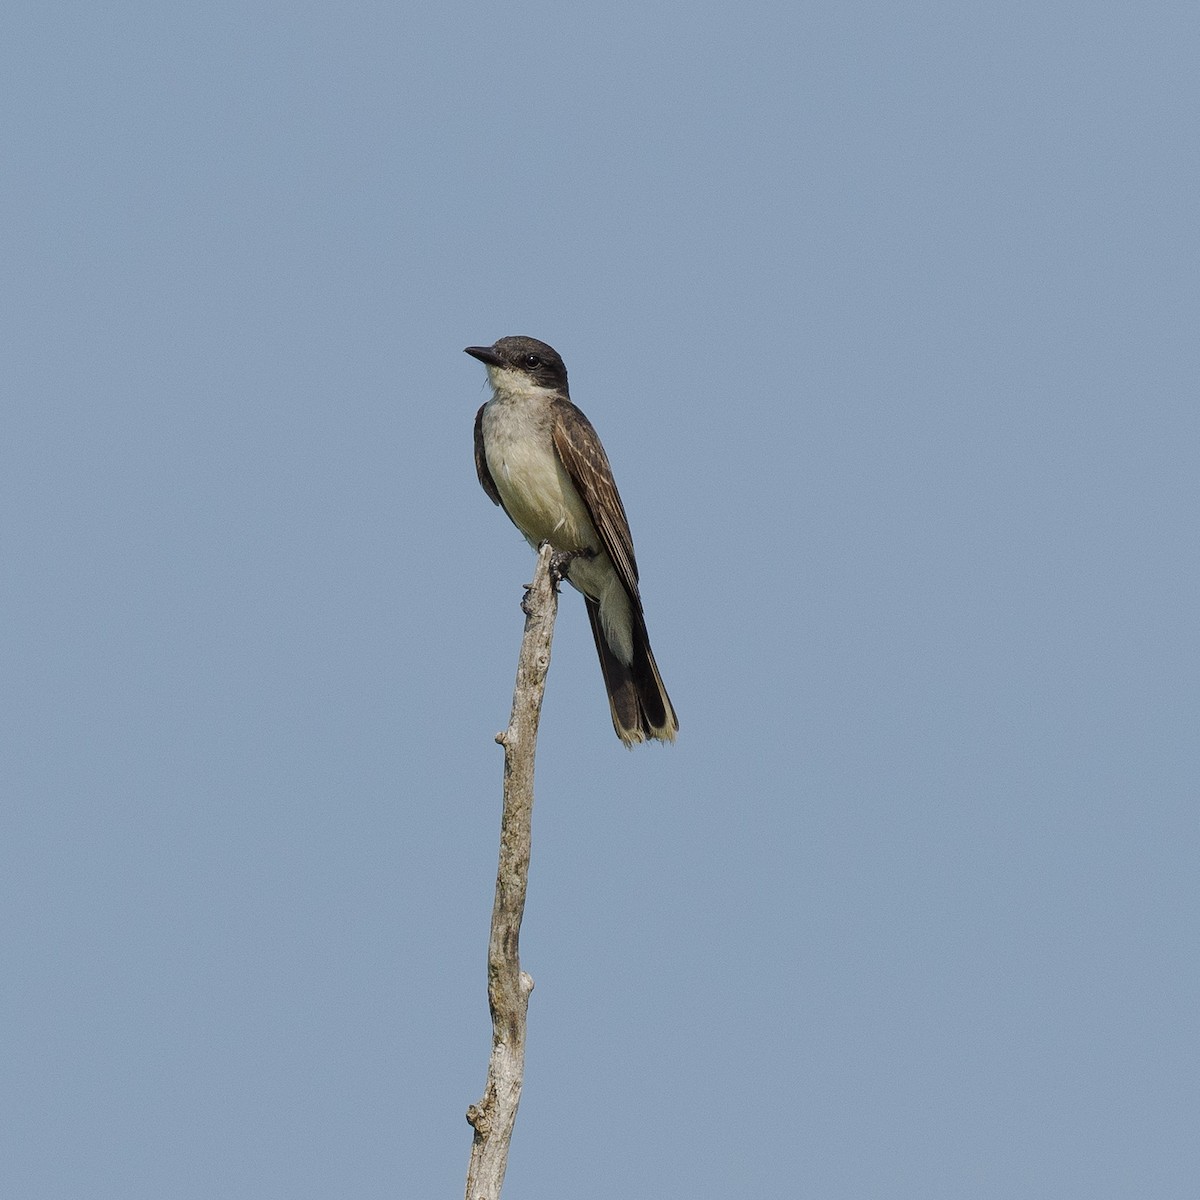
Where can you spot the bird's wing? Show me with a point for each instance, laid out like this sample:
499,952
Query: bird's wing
481,467
583,457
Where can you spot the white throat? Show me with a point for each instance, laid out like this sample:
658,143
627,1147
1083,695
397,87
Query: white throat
507,382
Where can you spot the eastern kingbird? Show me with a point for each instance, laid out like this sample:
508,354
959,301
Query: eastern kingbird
539,458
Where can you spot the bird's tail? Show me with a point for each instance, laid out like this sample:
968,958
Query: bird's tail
641,708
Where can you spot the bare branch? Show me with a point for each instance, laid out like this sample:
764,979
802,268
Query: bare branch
508,986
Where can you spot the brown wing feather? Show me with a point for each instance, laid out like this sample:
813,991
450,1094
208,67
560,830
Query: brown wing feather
481,467
583,456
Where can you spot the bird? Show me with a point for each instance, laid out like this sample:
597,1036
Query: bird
539,458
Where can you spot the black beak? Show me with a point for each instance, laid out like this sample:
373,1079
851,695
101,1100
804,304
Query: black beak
485,354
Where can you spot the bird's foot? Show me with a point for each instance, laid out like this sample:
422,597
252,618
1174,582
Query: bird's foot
561,560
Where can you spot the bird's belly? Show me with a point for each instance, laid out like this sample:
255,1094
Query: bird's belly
540,498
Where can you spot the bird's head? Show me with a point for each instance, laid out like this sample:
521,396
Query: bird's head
522,364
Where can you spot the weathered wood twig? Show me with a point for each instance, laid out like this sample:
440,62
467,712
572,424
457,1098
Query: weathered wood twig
508,986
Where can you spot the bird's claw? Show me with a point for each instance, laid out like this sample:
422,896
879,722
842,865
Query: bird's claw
561,560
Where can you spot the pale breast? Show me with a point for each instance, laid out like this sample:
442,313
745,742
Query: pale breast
536,491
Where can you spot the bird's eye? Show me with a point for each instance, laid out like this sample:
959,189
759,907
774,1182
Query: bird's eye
532,361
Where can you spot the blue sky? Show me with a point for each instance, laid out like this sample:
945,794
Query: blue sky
887,315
